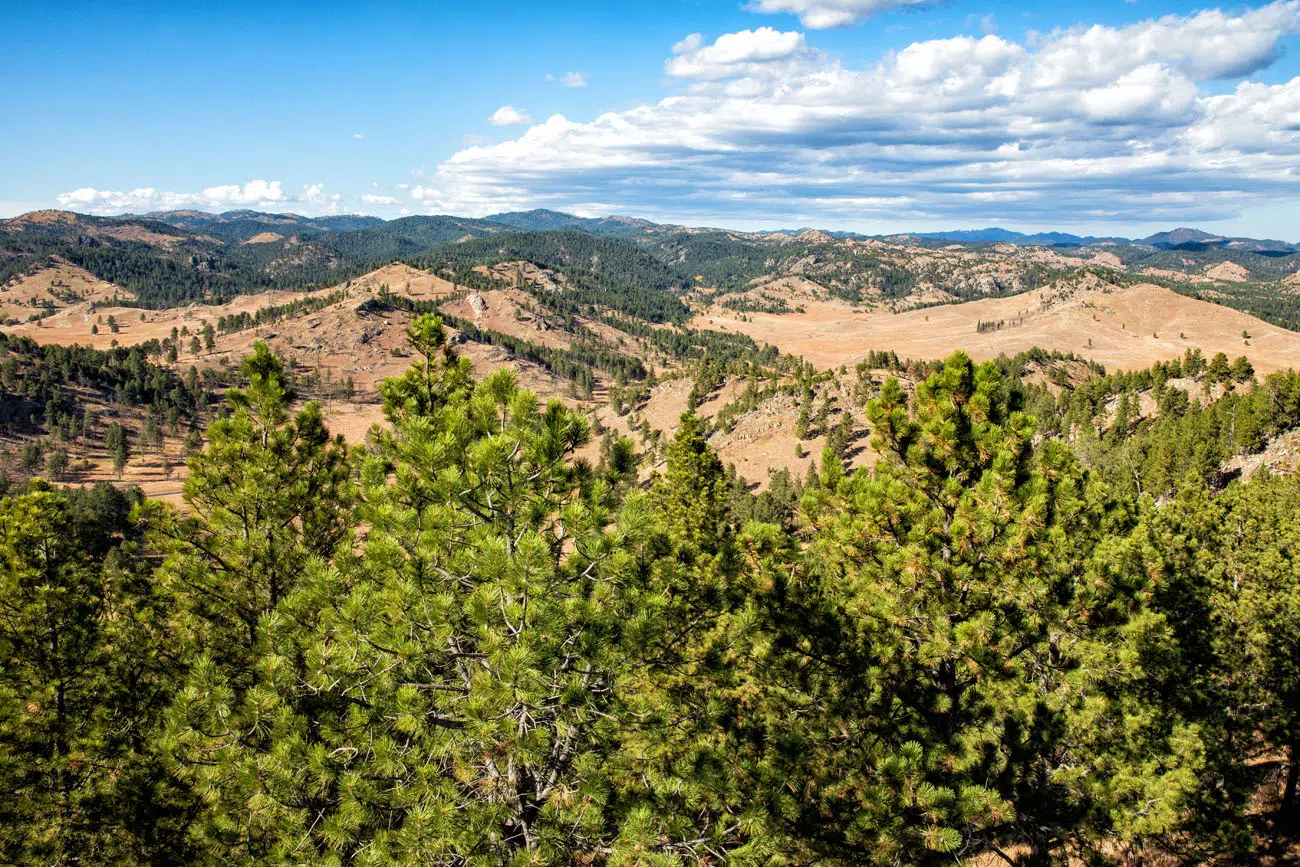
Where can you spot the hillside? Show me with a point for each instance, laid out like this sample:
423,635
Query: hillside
632,328
175,258
1122,327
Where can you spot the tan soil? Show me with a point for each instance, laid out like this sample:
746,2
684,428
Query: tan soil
1229,272
509,311
1114,326
1170,274
24,295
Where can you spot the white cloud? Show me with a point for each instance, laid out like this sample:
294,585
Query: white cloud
1203,46
1152,92
251,193
1090,123
386,201
358,135
255,193
574,79
314,193
258,194
508,115
733,54
824,14
1258,119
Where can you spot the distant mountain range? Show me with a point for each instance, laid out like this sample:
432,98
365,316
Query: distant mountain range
422,231
542,220
1160,241
171,258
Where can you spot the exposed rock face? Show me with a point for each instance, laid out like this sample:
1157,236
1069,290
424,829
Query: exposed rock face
813,236
1281,455
477,304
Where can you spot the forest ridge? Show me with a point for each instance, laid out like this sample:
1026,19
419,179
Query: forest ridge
459,645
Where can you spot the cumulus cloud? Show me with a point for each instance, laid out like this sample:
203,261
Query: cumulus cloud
358,135
1089,124
574,79
382,201
748,52
508,115
1207,45
314,193
825,14
258,194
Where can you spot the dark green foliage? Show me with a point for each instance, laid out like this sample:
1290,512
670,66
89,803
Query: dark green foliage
274,313
405,237
33,374
89,662
945,655
460,644
600,274
207,259
242,225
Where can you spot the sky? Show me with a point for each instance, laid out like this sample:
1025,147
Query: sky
1111,117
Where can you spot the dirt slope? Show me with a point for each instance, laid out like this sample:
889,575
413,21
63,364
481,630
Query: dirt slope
59,285
1123,328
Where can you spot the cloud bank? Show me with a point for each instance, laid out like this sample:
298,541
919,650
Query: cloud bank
825,14
1086,124
259,194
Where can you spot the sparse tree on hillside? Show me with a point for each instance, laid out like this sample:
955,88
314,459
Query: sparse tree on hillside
119,449
1219,370
57,463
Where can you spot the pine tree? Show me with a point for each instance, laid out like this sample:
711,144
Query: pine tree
270,502
89,661
118,445
464,688
1230,588
948,651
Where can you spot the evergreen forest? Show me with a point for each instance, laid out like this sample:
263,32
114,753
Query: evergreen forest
459,644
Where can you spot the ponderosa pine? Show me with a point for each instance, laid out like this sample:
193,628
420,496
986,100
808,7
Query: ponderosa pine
948,635
271,503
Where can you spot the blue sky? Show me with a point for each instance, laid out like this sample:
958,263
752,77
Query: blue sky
875,115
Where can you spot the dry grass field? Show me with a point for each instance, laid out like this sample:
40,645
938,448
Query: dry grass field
1123,328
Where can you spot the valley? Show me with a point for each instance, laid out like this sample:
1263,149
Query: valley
585,311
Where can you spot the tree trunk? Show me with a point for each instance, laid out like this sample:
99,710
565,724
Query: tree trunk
1287,811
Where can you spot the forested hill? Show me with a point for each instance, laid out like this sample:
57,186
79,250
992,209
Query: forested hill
181,257
542,220
186,256
617,274
460,643
242,225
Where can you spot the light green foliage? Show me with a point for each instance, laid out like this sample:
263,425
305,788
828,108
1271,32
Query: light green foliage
947,670
461,644
270,501
475,682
